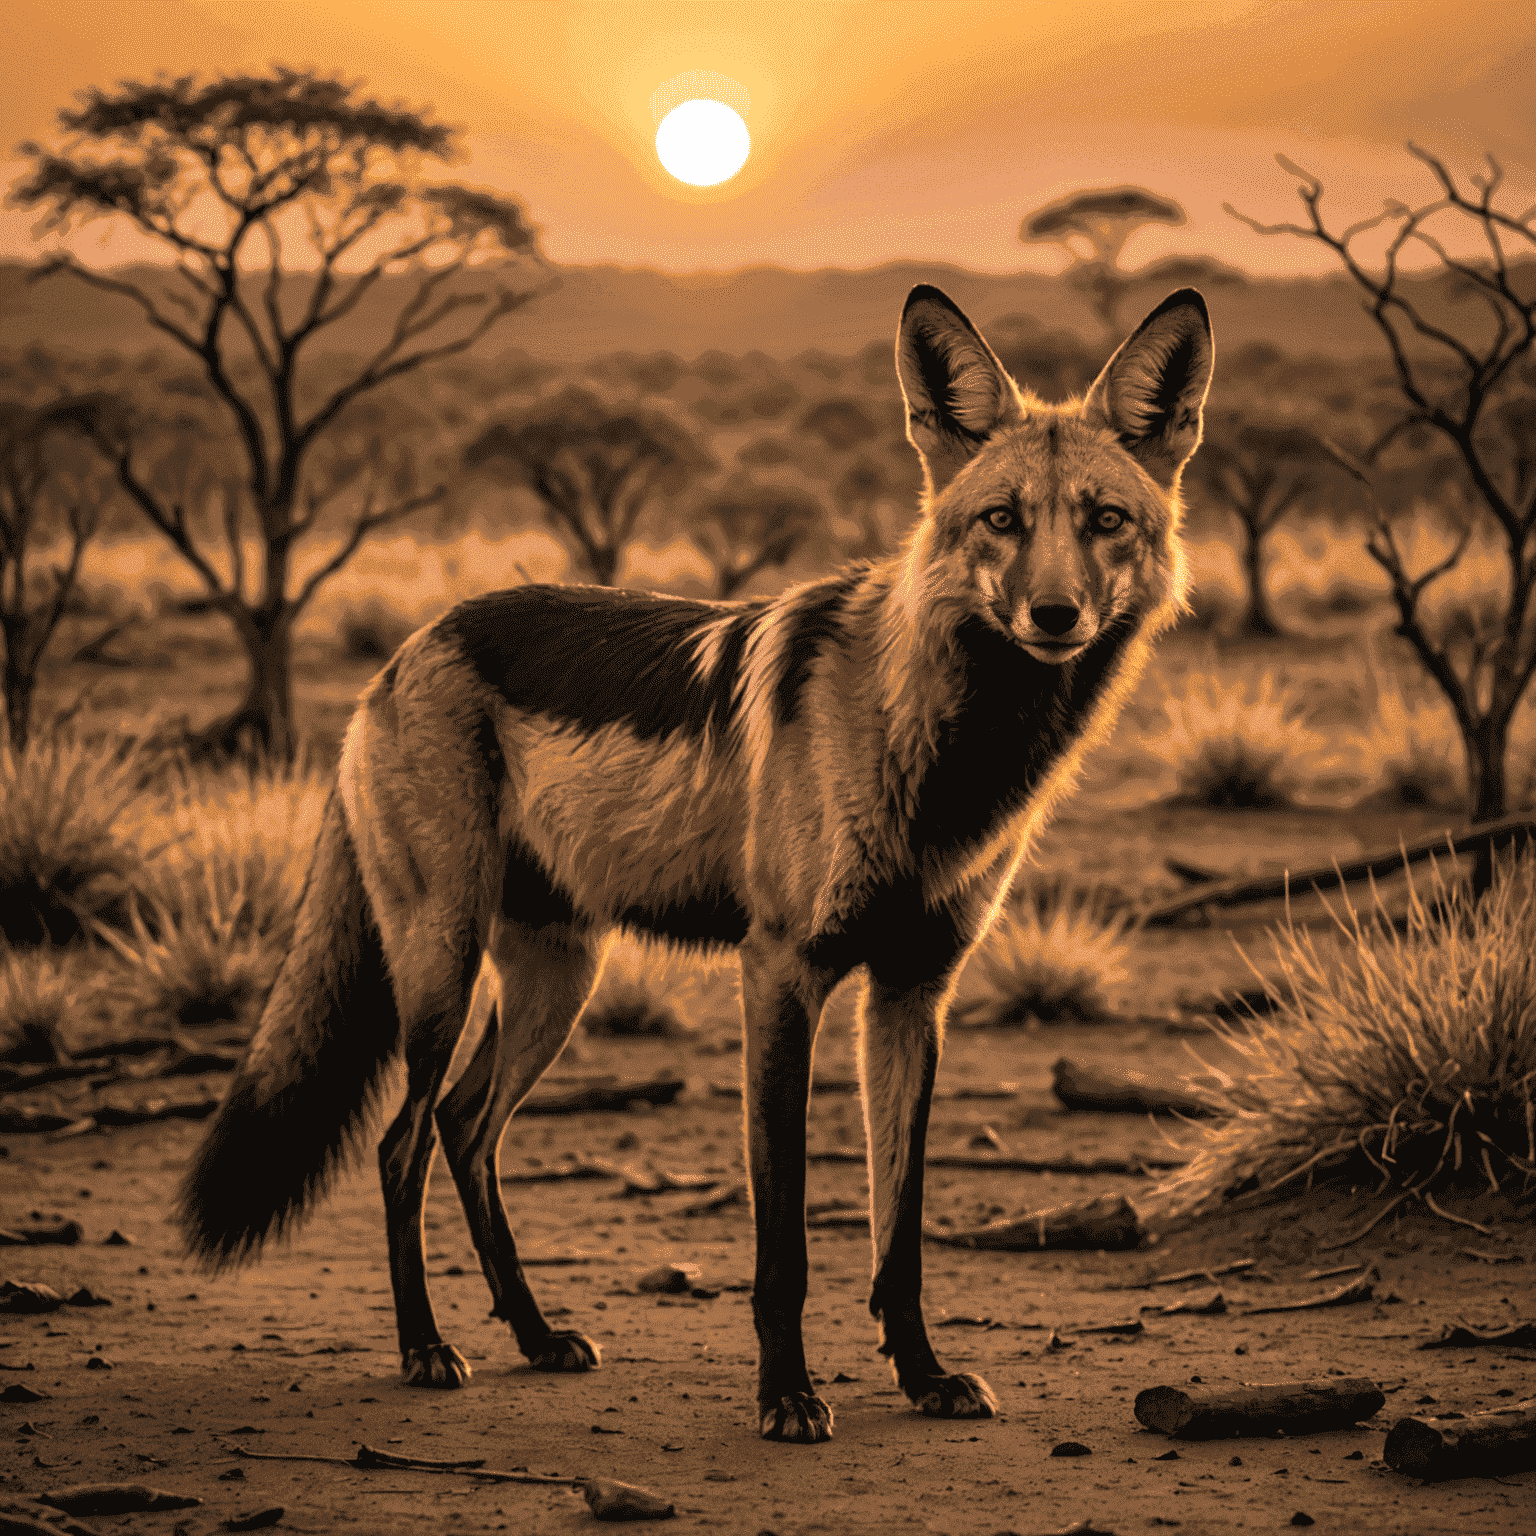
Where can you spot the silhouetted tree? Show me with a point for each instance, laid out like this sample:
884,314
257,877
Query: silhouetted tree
1092,228
234,177
1468,380
38,489
1257,470
595,467
747,527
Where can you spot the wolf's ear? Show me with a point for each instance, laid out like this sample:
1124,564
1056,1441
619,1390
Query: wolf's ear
1151,391
957,392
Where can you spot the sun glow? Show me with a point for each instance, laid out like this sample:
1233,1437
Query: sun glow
703,142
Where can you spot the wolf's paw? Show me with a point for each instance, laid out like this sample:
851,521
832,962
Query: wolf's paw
801,1417
568,1351
952,1397
438,1365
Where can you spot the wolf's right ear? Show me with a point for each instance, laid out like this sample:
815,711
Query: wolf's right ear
957,392
1151,393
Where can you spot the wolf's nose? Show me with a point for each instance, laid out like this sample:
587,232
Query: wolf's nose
1054,615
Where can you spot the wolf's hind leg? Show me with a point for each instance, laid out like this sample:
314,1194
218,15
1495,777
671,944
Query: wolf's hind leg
543,978
898,1057
405,1165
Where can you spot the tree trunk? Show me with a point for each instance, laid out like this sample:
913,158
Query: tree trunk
604,562
1487,749
20,683
263,719
1260,618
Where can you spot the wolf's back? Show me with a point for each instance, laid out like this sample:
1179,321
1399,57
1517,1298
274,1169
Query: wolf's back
308,1080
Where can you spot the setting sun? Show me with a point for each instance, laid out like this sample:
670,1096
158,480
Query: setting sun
703,142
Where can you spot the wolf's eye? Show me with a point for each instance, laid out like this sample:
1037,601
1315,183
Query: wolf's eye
1000,520
1109,520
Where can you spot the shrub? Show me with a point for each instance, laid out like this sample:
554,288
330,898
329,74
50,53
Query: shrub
1239,746
39,990
69,856
1414,743
1406,1059
236,846
644,990
1055,955
371,630
207,968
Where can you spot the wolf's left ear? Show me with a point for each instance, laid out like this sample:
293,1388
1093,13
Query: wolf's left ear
1151,391
957,392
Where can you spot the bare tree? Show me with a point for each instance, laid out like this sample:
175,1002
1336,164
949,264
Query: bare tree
1092,228
1257,470
34,488
248,180
1459,375
747,527
595,467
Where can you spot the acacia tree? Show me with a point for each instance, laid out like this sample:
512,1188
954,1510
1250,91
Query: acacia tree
1458,376
595,468
246,181
1092,228
35,489
748,526
1257,470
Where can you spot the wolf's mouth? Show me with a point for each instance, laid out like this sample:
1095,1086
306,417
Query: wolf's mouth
1053,650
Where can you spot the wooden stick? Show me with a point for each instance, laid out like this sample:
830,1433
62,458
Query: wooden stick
1461,1221
1140,1166
1371,1225
1245,889
1357,1290
1487,1444
1109,1221
1121,1090
1222,1412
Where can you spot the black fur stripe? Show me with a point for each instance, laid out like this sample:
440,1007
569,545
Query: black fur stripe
596,656
817,621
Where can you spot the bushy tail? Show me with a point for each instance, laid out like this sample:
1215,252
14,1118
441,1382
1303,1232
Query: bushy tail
304,1090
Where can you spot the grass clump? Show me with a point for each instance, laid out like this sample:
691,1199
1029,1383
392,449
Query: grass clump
1244,746
645,990
1404,1058
1418,751
1055,955
39,992
70,856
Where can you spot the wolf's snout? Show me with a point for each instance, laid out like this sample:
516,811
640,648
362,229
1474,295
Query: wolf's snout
1054,615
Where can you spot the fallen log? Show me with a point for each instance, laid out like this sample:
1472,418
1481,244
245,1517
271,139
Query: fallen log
1490,1444
1108,1221
1140,1166
1522,1335
61,1232
1225,1412
602,1097
1479,840
1122,1090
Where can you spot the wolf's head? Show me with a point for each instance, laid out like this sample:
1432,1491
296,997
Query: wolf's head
1051,521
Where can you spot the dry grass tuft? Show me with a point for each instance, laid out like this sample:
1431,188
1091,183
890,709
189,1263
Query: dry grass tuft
1414,742
371,630
1053,957
1240,746
1406,1059
645,990
70,856
39,992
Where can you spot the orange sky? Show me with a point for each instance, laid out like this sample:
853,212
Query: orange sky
882,129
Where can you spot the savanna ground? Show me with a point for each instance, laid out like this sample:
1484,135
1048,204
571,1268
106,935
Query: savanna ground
298,1354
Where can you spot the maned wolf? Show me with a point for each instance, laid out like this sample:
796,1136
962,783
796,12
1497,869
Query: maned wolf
845,775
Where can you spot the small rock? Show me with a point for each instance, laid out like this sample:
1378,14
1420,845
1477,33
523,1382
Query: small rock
16,1393
234,1475
1301,1519
28,1296
1168,1456
113,1499
719,1477
86,1297
255,1522
1355,1456
98,1363
668,1279
1071,1448
116,1239
611,1500
1236,1461
843,1376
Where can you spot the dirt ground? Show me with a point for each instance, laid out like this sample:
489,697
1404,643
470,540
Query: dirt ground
297,1355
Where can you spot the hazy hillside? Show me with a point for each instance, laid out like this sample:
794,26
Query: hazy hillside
605,309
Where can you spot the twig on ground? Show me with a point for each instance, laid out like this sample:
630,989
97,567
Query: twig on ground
1461,1221
1361,1289
1371,1225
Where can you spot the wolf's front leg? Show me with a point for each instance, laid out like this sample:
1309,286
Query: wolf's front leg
783,1007
899,1041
